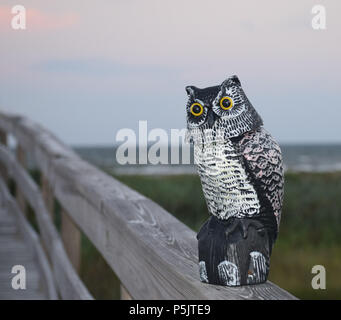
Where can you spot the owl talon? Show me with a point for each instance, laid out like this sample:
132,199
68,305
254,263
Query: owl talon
237,252
231,227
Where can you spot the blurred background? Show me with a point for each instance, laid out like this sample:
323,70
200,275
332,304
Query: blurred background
87,70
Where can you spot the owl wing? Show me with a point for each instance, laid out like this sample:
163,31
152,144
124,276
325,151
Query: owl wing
262,159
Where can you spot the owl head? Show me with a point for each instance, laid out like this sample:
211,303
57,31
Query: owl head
220,112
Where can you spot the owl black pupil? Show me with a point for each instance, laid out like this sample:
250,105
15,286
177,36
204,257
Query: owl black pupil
226,103
196,109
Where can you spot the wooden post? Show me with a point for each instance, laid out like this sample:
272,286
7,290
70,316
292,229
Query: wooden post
125,294
47,195
19,195
72,240
3,170
3,137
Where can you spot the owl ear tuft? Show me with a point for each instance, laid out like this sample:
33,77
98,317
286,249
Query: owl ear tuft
231,80
236,80
190,91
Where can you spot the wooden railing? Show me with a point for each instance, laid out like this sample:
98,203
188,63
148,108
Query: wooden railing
153,254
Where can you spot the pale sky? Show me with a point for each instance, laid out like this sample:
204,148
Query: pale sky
85,69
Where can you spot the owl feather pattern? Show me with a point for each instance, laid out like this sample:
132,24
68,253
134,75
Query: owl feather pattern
241,172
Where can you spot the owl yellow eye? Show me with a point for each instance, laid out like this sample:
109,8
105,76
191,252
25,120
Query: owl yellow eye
226,103
197,109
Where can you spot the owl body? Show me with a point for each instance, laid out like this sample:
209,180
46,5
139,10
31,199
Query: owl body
243,177
227,189
241,172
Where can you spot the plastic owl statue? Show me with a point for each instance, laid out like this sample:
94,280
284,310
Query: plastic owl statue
241,172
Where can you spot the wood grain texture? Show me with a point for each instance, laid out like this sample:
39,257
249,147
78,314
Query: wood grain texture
67,281
23,248
153,254
72,240
21,158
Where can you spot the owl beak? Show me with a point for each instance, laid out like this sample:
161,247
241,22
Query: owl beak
210,118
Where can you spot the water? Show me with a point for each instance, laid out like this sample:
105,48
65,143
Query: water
315,158
308,158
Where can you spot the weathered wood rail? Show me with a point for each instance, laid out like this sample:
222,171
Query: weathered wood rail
153,254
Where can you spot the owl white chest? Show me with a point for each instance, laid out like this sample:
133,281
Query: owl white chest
226,186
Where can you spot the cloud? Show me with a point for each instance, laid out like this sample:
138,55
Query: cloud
38,20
